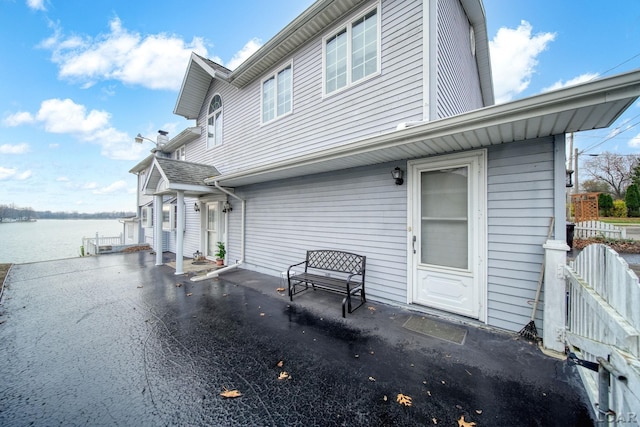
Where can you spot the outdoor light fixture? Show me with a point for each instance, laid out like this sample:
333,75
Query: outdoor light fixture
569,178
397,174
161,141
196,207
227,207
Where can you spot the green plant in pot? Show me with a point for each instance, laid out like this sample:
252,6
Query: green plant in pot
221,253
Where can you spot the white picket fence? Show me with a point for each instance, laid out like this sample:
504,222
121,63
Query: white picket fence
587,229
97,244
603,320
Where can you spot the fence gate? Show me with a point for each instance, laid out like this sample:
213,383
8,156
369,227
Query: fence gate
603,332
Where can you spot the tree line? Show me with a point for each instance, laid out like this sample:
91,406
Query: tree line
11,212
617,178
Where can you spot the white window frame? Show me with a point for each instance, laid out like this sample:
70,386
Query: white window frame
274,77
348,27
147,216
217,136
179,154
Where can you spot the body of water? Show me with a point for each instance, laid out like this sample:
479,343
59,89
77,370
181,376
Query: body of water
49,239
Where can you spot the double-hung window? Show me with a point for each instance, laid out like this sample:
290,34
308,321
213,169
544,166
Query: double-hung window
179,154
276,94
214,122
352,53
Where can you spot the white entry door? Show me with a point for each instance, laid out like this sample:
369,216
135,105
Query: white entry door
212,228
448,203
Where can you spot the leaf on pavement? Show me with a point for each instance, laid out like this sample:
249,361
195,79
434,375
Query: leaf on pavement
280,289
373,380
463,423
280,364
189,294
403,399
178,285
283,375
230,393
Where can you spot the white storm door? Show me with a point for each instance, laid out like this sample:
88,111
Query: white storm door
211,230
448,223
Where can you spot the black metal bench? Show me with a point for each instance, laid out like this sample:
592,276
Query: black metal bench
334,271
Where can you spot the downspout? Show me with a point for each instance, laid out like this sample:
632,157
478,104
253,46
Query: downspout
215,273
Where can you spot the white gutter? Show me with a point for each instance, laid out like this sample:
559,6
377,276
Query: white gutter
215,273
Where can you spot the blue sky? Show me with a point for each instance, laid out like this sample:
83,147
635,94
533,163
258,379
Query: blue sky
79,79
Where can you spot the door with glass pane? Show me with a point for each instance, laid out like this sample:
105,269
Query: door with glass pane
211,230
448,228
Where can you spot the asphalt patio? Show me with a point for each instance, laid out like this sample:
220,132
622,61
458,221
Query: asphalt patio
116,340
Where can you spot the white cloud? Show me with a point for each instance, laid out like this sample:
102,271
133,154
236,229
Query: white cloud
583,78
64,116
14,149
62,179
514,55
249,49
54,146
13,174
36,4
19,118
116,187
155,61
90,185
635,141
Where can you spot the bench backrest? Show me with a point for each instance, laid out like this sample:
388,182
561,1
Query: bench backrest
344,262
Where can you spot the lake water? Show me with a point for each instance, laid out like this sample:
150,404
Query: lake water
49,239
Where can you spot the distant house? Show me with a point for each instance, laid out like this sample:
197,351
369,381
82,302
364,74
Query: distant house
294,150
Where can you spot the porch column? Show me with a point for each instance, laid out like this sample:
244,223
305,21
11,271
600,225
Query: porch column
180,233
157,228
555,295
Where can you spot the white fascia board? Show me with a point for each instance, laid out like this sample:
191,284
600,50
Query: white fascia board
478,20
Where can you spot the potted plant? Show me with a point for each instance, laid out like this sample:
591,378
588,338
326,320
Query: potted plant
222,252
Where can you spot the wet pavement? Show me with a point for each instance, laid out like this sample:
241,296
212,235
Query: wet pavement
115,340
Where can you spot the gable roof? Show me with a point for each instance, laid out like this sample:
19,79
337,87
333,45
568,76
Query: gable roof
168,176
592,105
320,16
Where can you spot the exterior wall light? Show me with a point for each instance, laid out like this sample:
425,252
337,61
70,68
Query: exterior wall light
160,143
569,178
227,207
196,207
397,174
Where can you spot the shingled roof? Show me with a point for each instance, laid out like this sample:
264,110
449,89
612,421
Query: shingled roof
167,176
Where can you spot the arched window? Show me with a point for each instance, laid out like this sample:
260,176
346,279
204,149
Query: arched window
214,122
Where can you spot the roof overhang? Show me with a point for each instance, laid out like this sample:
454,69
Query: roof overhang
588,106
314,20
200,73
167,177
478,20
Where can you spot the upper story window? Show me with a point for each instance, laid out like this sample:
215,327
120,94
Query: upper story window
179,154
352,53
214,122
276,94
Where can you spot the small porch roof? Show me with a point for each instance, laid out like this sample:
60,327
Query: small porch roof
592,105
168,176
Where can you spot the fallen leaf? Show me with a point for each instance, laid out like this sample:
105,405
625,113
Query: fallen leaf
443,382
261,314
478,411
385,398
178,285
283,375
372,379
230,393
280,289
280,364
463,423
428,393
434,420
189,294
371,308
403,399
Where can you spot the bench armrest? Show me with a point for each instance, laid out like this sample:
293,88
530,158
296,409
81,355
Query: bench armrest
294,265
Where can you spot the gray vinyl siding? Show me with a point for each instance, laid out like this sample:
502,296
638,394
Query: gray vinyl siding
519,208
458,83
316,123
357,210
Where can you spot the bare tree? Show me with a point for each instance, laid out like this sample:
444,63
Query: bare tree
615,169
